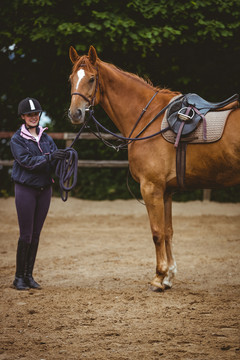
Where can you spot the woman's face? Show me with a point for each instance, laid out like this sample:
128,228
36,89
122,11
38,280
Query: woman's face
31,119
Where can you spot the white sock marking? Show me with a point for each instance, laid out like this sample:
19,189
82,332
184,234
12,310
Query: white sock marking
81,74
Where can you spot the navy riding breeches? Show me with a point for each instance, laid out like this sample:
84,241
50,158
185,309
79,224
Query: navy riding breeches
32,207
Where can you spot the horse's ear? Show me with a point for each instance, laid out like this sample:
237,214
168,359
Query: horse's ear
73,54
92,55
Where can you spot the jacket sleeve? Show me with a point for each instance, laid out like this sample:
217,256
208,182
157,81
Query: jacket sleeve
53,147
26,159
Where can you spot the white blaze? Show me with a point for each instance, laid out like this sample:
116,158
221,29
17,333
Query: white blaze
81,74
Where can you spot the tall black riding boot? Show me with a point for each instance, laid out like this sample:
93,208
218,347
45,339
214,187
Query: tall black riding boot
32,253
22,250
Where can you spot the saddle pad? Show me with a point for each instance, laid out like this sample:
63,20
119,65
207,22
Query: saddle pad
215,126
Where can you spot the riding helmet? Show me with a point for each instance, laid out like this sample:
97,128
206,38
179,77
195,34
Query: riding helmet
29,105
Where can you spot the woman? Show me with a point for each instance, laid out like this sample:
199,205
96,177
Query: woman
35,155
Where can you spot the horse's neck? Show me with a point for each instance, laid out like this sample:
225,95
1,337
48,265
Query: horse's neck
124,97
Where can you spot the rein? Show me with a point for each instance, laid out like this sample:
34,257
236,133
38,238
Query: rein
66,169
129,139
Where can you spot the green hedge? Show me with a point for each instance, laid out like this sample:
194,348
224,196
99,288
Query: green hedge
111,184
106,183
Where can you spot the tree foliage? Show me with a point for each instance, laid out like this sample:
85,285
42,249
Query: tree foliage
180,44
190,46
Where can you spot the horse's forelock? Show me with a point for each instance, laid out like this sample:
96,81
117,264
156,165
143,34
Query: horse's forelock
84,62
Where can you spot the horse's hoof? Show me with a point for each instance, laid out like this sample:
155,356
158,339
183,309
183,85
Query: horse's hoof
156,289
156,285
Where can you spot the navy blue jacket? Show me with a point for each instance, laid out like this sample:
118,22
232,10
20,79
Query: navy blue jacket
32,166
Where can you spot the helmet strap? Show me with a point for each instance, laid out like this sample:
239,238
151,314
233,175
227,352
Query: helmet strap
31,127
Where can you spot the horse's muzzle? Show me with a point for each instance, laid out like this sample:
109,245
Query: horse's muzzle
77,116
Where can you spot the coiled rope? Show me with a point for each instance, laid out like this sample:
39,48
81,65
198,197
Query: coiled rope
66,169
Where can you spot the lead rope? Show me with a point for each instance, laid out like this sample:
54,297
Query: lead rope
67,169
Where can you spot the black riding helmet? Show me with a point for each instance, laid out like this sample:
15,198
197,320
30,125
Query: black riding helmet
29,105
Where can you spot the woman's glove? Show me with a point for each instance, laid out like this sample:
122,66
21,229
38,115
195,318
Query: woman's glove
59,155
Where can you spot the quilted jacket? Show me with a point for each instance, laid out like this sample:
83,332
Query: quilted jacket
33,165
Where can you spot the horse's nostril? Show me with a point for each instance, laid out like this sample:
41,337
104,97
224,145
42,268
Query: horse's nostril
75,115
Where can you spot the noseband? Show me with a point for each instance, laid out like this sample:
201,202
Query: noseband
83,96
90,101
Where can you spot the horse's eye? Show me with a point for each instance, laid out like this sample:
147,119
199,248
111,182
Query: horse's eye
91,80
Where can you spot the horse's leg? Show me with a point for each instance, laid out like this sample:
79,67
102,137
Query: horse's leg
172,267
153,198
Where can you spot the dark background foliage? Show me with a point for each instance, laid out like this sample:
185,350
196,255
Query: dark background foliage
189,46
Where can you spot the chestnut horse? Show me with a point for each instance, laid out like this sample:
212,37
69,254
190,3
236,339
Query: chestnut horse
152,161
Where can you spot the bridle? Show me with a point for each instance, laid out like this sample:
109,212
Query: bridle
66,169
127,140
90,101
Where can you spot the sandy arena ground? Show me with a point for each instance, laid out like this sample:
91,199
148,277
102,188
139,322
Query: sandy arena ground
95,262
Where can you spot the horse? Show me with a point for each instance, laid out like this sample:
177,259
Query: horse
152,161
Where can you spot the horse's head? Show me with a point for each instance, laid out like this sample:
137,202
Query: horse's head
84,84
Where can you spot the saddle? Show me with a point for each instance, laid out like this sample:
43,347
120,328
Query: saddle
183,117
185,113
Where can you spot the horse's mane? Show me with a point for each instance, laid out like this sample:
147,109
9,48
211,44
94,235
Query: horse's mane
84,61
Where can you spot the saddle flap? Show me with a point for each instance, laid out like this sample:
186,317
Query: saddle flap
176,114
185,113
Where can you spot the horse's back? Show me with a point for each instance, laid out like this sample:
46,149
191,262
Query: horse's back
216,164
232,127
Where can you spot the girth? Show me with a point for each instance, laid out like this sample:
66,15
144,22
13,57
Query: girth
181,164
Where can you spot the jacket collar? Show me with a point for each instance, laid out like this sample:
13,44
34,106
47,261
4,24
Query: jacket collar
27,135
